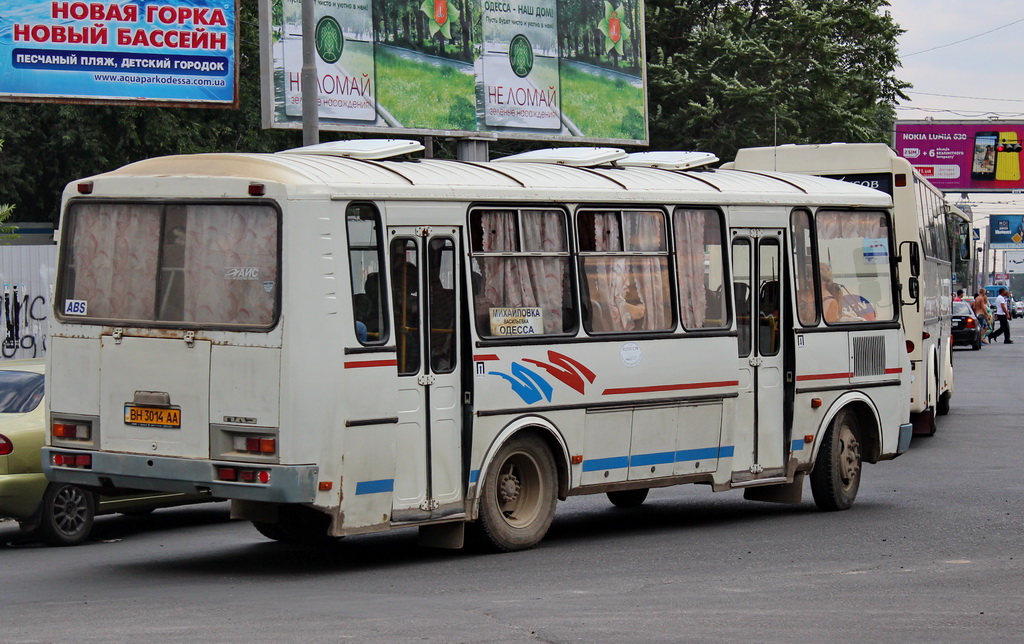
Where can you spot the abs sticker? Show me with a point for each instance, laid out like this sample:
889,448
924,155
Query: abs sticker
75,307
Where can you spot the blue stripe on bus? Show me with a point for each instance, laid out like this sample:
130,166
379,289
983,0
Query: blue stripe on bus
798,444
659,458
701,454
375,487
656,458
474,476
613,463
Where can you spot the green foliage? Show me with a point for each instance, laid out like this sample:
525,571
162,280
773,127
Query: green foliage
725,74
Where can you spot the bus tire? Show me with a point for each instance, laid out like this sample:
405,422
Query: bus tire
942,407
517,503
835,478
67,515
628,498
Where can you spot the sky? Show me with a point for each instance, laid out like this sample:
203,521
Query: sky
964,59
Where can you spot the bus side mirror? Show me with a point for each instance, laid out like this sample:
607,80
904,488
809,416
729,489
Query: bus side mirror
913,291
914,255
965,240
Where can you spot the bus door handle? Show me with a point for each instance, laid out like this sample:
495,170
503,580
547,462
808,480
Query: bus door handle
425,380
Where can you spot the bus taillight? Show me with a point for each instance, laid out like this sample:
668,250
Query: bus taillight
79,431
910,346
73,460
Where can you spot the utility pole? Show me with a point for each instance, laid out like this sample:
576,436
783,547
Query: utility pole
310,95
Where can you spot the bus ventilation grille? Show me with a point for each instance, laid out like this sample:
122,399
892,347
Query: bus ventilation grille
868,356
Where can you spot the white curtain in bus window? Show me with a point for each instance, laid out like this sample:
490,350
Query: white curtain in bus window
698,241
519,281
626,292
230,264
855,246
115,252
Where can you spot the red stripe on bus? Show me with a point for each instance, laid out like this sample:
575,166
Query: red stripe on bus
658,388
486,356
896,370
371,363
824,376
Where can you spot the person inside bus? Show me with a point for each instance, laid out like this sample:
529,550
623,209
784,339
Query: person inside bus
830,294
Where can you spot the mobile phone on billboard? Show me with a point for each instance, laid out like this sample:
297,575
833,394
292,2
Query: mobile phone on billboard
1008,157
983,167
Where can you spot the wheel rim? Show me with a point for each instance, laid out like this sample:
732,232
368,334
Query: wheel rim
69,510
849,458
519,489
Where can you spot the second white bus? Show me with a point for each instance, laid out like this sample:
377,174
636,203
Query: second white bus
921,215
341,339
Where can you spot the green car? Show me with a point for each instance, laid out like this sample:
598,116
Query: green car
62,514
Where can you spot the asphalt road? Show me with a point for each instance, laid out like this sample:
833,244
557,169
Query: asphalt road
933,551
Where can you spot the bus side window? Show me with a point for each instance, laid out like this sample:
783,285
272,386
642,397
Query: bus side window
700,268
366,251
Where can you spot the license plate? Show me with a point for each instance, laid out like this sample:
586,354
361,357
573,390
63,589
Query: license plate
152,416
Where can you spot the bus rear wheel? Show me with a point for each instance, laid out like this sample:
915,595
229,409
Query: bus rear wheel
835,478
517,503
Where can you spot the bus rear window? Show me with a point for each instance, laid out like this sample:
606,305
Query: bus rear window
170,264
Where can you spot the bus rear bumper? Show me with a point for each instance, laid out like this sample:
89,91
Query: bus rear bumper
285,483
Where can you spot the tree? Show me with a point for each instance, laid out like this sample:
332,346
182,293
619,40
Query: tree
726,74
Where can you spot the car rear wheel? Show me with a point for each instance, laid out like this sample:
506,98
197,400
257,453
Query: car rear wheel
67,515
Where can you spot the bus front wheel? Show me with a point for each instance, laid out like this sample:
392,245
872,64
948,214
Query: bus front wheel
835,478
517,503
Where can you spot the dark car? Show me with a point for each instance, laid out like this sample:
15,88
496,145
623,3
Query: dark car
966,329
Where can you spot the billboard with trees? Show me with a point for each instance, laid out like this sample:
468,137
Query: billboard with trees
537,69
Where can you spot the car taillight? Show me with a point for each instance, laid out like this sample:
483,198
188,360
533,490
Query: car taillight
970,323
6,446
75,431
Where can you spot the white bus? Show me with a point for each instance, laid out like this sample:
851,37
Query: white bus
921,215
342,339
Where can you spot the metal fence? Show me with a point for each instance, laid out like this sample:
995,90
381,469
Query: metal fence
27,274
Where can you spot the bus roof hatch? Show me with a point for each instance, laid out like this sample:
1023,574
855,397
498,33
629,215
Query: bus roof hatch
669,160
576,157
369,149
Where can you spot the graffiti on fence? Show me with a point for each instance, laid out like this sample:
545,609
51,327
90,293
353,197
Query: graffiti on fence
24,323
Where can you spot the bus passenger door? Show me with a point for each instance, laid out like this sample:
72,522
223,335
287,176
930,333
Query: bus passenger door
760,446
425,297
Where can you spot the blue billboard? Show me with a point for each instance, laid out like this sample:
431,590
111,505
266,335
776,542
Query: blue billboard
167,52
1006,232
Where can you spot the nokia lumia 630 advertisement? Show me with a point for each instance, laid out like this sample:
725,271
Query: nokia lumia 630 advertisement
964,156
984,166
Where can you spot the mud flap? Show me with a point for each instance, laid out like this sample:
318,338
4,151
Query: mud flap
785,493
443,535
924,423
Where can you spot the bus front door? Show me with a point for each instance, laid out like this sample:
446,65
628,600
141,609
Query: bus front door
425,297
759,434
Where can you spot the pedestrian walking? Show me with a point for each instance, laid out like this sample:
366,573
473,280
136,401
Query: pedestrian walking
980,306
1003,316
